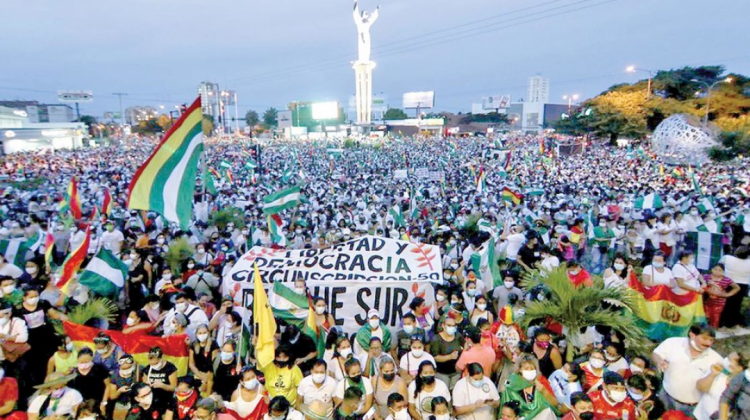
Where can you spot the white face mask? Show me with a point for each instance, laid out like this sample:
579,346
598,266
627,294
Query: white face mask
9,289
318,378
695,347
148,399
401,415
619,266
635,369
180,307
508,284
529,375
31,270
4,320
300,290
320,310
191,266
374,323
130,322
417,352
251,384
443,417
440,298
32,301
451,331
618,396
345,352
202,337
596,363
481,306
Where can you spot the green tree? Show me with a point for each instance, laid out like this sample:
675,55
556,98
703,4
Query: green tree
88,120
270,117
208,125
619,113
578,308
395,114
252,118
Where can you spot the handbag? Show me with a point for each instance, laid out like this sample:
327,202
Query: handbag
13,351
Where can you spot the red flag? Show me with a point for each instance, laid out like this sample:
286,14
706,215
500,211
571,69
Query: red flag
107,204
49,245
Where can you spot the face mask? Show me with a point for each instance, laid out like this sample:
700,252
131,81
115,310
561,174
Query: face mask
477,383
417,352
202,337
201,251
471,292
155,305
443,417
747,374
450,331
281,363
619,266
181,306
318,378
130,322
133,256
542,344
635,395
191,266
611,358
695,346
596,363
31,270
251,384
389,377
166,276
345,352
127,372
586,416
226,356
374,323
101,351
429,379
481,306
300,290
32,301
574,272
618,396
160,241
635,369
454,266
401,415
694,212
85,366
529,375
320,310
440,298
408,329
356,378
657,264
70,347
58,393
148,399
508,284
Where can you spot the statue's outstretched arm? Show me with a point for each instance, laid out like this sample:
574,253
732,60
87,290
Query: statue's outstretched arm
375,15
356,14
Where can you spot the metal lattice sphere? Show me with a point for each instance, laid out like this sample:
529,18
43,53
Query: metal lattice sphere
682,139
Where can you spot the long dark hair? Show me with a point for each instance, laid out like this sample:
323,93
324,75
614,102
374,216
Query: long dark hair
419,383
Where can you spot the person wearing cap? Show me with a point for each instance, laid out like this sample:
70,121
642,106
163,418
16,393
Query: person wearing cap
8,269
54,398
373,328
161,376
612,402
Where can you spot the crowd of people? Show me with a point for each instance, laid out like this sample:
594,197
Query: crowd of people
460,354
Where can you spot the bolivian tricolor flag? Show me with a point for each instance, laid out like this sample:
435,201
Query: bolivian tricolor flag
663,314
71,201
480,181
166,182
49,246
510,195
107,204
72,264
174,347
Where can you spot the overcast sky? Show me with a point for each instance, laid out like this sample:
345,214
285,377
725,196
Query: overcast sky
277,51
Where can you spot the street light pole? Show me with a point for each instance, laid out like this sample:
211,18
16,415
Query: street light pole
236,116
709,88
633,69
122,113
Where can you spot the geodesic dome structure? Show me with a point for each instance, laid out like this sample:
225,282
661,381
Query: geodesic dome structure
682,139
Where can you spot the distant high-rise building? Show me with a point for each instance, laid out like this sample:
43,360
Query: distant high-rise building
43,113
538,90
209,93
137,114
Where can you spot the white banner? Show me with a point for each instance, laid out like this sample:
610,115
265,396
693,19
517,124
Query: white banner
353,277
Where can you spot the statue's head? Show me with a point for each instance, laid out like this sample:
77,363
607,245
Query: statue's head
365,15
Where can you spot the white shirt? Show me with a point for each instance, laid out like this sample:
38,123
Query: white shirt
423,399
195,317
737,269
112,241
71,398
550,263
410,364
689,274
309,392
515,242
292,415
709,402
683,372
343,385
657,278
464,393
10,270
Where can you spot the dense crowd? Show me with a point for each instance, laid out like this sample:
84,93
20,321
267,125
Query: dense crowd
461,354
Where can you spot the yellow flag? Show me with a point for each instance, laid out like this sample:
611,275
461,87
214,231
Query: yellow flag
264,322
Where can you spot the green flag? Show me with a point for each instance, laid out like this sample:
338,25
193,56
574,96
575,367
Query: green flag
105,274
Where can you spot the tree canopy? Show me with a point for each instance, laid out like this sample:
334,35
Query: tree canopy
395,114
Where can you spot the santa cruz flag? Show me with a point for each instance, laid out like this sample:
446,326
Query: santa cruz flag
166,182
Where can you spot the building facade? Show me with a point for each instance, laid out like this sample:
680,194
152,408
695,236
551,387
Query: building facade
538,90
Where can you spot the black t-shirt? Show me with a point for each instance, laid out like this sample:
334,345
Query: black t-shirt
529,256
91,385
202,356
226,379
151,375
337,415
139,413
300,349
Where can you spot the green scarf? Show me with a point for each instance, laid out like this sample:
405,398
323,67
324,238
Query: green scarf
365,334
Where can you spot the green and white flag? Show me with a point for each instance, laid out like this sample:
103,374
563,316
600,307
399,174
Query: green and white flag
484,225
105,274
708,248
334,153
414,211
705,205
225,164
35,241
14,251
288,305
250,164
398,215
281,200
651,201
287,175
534,192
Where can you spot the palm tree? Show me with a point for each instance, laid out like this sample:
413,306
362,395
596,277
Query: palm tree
578,308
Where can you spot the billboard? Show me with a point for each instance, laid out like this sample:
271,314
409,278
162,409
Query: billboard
496,102
419,100
325,111
75,96
284,119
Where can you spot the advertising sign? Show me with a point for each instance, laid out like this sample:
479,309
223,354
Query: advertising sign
75,96
325,110
495,102
419,100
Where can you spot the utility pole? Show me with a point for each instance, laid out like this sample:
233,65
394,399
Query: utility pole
122,113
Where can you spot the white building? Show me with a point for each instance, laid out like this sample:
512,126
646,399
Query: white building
136,114
209,93
538,90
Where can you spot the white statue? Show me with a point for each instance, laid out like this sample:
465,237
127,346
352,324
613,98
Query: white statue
364,21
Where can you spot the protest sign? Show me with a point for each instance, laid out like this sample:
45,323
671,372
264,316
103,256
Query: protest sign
353,277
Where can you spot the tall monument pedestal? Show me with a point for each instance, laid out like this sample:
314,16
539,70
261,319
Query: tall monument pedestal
363,96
